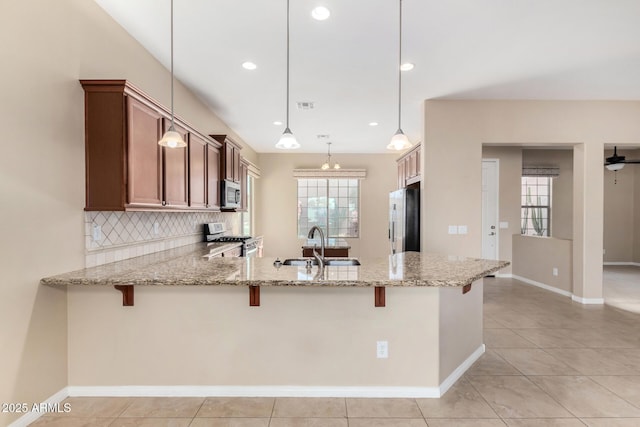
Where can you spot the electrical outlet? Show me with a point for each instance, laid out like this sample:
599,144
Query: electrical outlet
97,232
462,229
382,349
555,271
453,229
156,228
504,225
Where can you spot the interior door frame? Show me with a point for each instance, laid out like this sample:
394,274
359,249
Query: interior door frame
496,162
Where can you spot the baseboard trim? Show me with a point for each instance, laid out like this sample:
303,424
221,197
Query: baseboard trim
504,276
460,370
253,391
636,264
30,417
542,285
587,300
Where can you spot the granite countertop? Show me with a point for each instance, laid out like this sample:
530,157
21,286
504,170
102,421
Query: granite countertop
333,243
190,265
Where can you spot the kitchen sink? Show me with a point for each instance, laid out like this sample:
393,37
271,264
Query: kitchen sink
327,261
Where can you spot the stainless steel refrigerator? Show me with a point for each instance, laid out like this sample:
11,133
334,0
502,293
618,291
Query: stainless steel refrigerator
404,220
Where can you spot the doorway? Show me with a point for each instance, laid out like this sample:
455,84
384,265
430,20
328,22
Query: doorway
490,205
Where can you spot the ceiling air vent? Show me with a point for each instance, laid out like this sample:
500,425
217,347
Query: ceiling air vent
305,105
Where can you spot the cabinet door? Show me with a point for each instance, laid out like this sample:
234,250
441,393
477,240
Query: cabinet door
237,173
213,177
197,172
175,172
418,165
228,161
144,161
243,187
409,168
401,178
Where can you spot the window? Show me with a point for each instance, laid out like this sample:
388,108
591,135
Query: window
536,205
246,216
331,204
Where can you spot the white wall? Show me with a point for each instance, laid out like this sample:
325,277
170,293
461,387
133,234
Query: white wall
47,46
276,201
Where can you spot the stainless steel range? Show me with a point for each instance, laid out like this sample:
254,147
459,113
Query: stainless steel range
217,232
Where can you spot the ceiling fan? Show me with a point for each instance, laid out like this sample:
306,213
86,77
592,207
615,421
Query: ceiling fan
615,162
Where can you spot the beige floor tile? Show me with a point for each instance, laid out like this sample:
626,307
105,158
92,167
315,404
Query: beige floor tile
611,422
163,407
247,407
600,338
589,361
387,422
584,397
382,408
490,323
307,407
440,422
490,363
309,422
627,357
72,422
531,361
627,387
107,407
460,401
230,422
151,422
505,338
549,338
517,397
545,422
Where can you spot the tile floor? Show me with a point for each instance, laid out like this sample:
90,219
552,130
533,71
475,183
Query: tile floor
550,362
621,286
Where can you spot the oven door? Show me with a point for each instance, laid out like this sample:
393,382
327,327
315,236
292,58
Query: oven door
250,251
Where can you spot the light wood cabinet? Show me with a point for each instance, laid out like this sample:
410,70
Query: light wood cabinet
409,167
125,167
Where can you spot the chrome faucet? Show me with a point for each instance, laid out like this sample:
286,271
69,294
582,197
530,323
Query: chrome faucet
318,257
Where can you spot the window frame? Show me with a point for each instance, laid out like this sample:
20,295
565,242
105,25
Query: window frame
530,230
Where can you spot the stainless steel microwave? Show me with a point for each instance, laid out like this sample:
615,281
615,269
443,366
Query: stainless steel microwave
230,195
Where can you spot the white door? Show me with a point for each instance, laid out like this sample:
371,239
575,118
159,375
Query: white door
490,208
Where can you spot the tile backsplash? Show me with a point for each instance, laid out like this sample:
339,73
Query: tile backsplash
125,235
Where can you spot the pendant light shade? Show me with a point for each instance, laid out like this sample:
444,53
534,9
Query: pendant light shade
327,165
615,166
171,138
287,140
399,141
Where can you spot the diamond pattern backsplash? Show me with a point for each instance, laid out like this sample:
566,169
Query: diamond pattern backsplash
129,234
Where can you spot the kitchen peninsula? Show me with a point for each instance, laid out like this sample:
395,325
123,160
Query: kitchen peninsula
192,332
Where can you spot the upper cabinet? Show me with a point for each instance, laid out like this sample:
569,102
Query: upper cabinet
230,158
126,169
409,167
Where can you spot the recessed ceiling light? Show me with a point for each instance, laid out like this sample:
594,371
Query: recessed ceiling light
407,66
373,124
277,123
320,13
249,65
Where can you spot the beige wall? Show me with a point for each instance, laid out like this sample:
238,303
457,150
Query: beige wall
534,258
276,196
305,336
636,209
562,187
619,213
49,46
510,172
457,129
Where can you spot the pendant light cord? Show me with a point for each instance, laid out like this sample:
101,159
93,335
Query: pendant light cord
287,64
400,71
172,127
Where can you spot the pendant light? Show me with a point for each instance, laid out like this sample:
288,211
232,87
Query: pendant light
287,140
399,141
326,164
171,138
